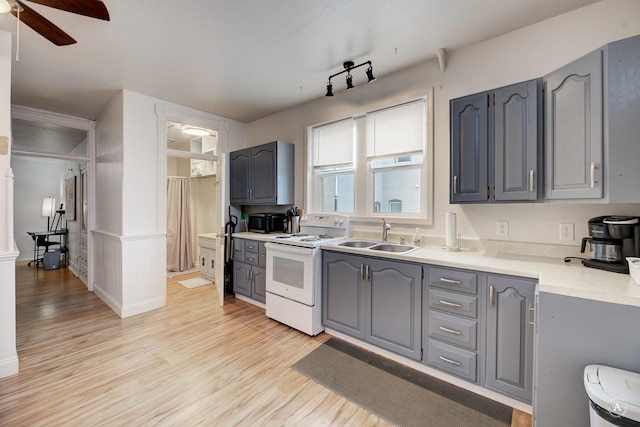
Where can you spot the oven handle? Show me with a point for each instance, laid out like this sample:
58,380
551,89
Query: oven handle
288,249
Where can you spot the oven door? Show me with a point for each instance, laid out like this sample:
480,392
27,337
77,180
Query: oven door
291,272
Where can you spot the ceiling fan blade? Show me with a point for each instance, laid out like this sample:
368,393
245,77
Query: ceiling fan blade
92,8
43,26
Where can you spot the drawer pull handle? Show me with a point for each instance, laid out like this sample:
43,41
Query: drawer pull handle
450,304
531,180
453,362
451,331
250,259
451,281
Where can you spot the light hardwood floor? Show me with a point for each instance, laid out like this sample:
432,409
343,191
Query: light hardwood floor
189,363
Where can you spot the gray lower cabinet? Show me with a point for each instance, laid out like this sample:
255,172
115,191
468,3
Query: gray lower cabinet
510,318
249,269
473,325
343,298
453,322
375,300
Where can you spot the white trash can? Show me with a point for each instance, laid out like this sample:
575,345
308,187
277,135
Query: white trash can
614,396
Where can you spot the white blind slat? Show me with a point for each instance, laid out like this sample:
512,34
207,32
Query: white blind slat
333,144
396,131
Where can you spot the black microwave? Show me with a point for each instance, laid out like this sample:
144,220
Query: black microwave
267,222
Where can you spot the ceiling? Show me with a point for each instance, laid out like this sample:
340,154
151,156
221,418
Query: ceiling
245,59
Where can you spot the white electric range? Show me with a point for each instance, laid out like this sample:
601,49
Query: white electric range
294,285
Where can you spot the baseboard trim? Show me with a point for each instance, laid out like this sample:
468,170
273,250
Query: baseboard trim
9,366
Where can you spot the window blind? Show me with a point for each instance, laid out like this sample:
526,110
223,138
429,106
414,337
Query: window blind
397,130
333,144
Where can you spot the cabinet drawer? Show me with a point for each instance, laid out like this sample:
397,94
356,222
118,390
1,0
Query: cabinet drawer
457,280
453,329
251,258
251,246
465,305
238,250
452,359
262,255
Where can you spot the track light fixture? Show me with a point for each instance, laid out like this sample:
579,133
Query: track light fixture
348,66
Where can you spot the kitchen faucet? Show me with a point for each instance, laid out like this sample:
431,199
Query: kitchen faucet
385,227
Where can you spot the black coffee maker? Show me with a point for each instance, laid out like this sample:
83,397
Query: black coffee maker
612,239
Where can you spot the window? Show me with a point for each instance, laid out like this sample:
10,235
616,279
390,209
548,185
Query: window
376,164
332,161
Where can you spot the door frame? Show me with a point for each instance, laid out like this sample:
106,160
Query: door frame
42,116
187,116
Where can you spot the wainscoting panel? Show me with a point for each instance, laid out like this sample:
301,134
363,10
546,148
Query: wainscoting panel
144,266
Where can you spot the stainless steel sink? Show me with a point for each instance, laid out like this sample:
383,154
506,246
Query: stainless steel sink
357,244
390,247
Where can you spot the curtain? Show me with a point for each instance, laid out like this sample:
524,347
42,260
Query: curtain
179,245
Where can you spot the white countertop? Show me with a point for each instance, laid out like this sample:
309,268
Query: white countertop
553,274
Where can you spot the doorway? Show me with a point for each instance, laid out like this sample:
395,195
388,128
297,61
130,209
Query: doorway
189,156
191,194
51,157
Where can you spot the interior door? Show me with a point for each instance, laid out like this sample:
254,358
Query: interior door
221,195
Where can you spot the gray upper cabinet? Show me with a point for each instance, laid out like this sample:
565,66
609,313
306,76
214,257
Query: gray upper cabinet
469,148
510,316
518,141
592,141
262,175
496,144
573,130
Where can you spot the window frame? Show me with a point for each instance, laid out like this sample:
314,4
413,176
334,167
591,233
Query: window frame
364,173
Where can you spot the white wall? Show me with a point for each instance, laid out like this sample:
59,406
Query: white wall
129,237
524,54
34,179
8,253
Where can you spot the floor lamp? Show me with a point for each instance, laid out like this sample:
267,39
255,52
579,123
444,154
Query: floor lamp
48,209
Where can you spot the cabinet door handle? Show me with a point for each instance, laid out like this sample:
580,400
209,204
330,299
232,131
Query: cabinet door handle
450,304
531,181
453,362
490,295
592,174
362,271
246,275
451,331
455,184
450,281
203,261
212,264
531,309
366,272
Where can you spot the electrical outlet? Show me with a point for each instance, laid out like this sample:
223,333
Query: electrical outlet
566,231
503,228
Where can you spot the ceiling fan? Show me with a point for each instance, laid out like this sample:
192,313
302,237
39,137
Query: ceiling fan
47,29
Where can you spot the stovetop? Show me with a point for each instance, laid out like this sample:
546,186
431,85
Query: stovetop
317,229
